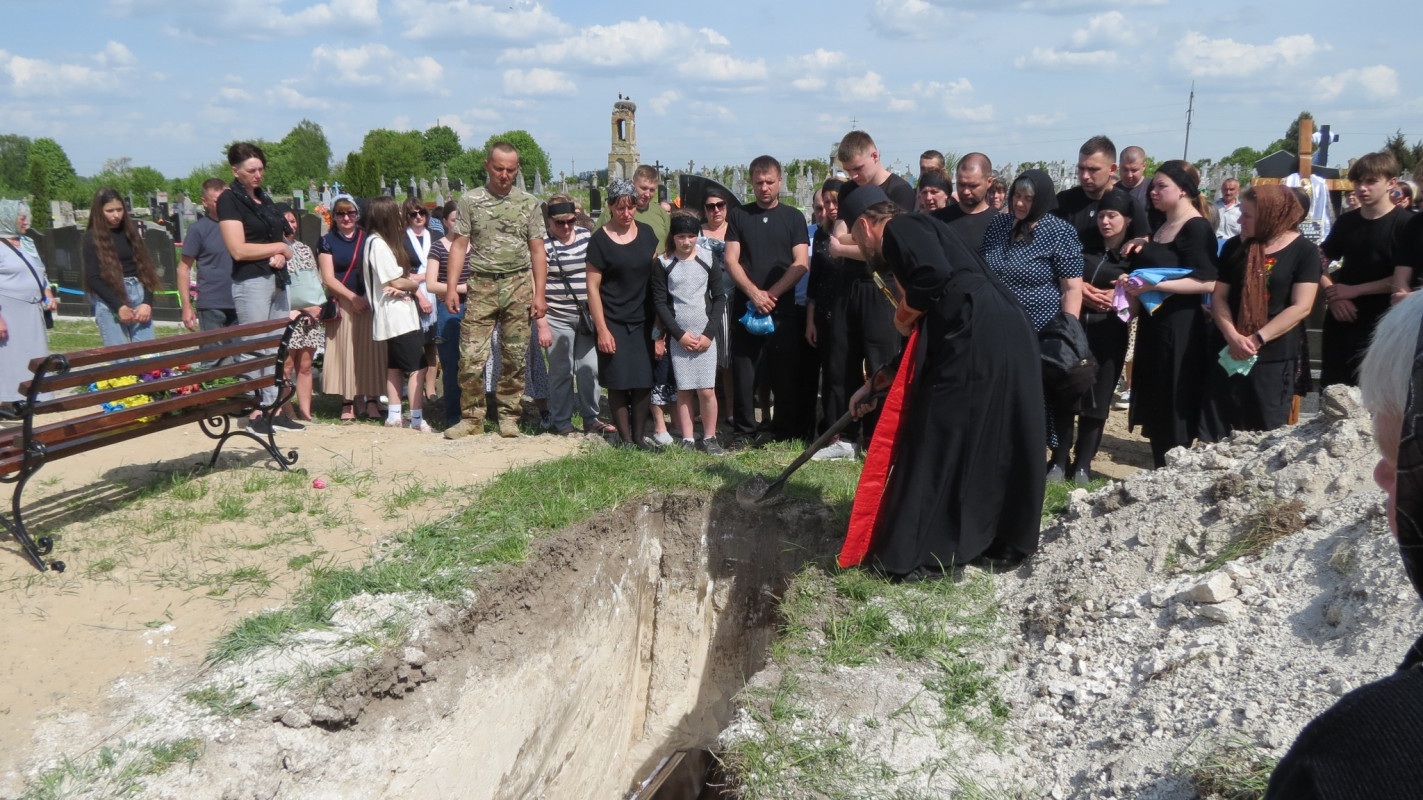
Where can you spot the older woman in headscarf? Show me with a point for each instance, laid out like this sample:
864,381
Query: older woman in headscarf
24,297
1269,276
1039,257
619,276
1367,744
933,191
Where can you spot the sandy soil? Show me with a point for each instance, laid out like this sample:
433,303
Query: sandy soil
151,581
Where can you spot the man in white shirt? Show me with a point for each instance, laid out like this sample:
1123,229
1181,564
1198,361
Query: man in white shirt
1228,209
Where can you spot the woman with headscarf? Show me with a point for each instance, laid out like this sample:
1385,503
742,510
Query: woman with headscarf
1269,276
1038,257
933,191
1366,746
1171,347
25,295
355,365
962,425
1107,333
620,262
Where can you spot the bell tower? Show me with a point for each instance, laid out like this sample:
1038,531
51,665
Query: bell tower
622,155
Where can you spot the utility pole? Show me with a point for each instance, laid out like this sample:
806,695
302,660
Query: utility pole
1190,109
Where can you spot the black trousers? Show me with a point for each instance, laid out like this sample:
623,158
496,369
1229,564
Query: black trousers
772,359
871,342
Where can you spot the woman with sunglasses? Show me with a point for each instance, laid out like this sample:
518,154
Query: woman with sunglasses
418,240
572,351
355,362
713,238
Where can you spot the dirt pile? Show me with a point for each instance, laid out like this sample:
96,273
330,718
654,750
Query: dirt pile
1220,602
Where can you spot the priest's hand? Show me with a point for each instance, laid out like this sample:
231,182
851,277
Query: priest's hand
861,403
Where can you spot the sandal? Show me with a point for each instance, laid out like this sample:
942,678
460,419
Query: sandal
600,427
377,413
348,411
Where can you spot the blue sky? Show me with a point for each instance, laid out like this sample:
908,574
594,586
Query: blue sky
167,82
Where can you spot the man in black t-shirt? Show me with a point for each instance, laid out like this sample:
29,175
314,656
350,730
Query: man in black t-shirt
767,252
1096,173
969,217
1407,275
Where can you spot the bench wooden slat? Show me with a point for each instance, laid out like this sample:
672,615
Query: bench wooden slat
82,358
99,420
84,377
12,461
87,399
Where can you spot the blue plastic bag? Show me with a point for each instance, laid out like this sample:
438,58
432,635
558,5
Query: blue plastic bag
757,324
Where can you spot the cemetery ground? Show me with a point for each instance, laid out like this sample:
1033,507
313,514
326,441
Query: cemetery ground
176,573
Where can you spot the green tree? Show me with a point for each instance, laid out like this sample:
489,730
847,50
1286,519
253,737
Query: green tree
1290,143
360,178
1409,157
468,167
14,162
61,181
531,156
397,155
302,156
41,192
441,144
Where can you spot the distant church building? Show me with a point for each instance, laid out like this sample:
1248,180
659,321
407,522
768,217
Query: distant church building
622,156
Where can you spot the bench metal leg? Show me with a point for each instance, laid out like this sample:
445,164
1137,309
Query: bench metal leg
35,549
221,428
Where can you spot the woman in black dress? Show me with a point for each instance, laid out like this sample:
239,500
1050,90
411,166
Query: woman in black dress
1269,276
620,259
964,428
1171,346
1107,333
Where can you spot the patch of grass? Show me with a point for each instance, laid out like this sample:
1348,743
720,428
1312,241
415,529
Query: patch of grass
112,771
1055,498
247,581
788,751
1342,560
1234,769
267,629
101,567
413,492
223,702
232,507
1272,521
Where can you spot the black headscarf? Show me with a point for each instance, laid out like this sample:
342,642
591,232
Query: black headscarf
1044,200
1118,200
1408,493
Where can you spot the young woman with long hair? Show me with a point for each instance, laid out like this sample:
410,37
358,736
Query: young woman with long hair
396,318
118,274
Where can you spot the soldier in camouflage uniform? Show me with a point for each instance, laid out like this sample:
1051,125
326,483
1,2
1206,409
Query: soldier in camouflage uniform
501,228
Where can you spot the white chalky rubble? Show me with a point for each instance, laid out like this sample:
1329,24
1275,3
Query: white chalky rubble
1119,654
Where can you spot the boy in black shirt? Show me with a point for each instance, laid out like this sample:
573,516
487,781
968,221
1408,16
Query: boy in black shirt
767,252
1369,240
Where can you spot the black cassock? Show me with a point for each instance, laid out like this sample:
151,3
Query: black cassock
968,468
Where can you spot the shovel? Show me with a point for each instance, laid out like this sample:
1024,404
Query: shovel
756,492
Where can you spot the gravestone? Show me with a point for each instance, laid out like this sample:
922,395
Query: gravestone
519,180
310,228
60,250
160,251
538,184
62,213
424,188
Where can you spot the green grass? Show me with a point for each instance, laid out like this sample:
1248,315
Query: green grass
69,335
1272,521
117,771
224,702
1234,769
1055,498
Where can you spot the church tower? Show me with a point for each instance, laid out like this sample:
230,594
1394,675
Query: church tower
622,156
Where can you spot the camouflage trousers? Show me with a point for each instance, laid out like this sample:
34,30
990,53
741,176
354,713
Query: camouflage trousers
490,302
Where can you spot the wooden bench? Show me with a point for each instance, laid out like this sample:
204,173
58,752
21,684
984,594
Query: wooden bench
175,399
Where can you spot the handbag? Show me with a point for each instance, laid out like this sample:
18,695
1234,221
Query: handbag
48,315
305,289
585,317
1069,368
331,310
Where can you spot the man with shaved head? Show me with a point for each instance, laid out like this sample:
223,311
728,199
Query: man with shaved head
969,217
1133,178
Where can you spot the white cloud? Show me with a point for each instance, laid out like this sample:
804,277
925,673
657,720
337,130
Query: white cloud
465,124
1041,120
521,20
1051,58
813,70
1375,82
537,82
955,98
1203,57
254,19
377,66
1110,30
703,111
662,102
35,77
908,19
233,94
867,88
1074,6
287,96
645,43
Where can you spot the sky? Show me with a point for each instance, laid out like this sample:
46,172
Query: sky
169,82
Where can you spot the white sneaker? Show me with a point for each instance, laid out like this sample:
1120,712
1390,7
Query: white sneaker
836,450
664,438
1123,402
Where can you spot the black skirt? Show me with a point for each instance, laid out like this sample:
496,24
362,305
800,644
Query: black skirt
631,366
406,352
1107,338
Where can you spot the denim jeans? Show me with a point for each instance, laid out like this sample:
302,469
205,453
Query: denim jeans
113,332
212,319
447,346
257,299
572,357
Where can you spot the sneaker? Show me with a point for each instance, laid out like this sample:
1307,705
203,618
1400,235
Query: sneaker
394,423
260,426
508,427
650,445
1056,475
1123,402
835,451
286,423
1081,477
663,439
713,447
463,428
689,445
546,420
423,427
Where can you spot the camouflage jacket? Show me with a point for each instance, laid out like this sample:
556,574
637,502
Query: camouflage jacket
499,229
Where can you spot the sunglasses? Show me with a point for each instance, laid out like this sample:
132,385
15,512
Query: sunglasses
414,214
715,206
564,221
347,214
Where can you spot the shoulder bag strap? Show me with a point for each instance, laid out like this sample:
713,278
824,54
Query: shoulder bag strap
356,253
33,273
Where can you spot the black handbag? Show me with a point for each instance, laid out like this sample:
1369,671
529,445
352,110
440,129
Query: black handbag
1069,368
585,317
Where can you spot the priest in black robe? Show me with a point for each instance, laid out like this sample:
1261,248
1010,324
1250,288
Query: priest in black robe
958,474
